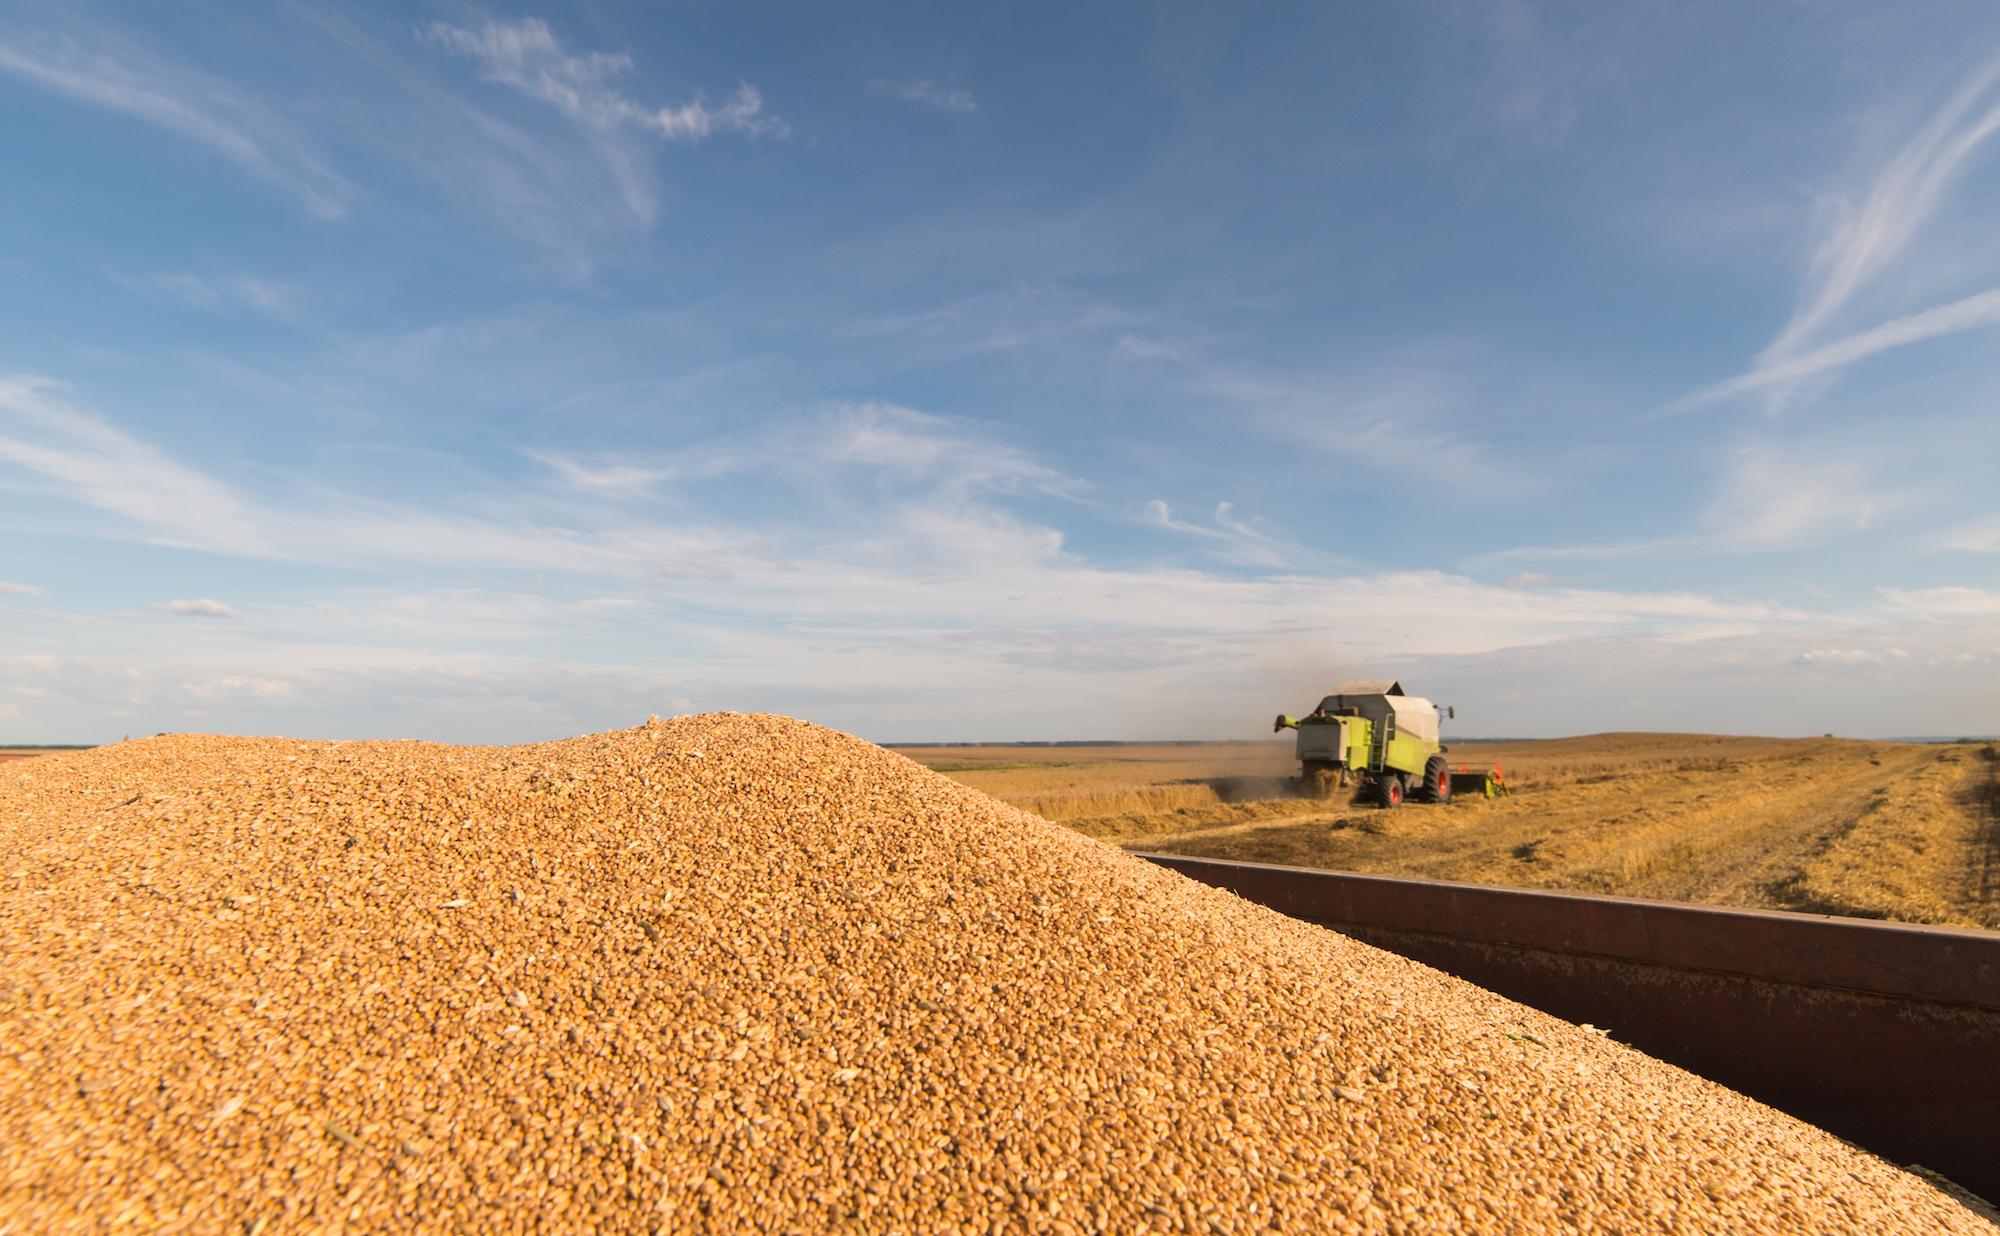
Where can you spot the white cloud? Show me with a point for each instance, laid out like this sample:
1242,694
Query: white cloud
1530,579
911,549
8,588
607,480
949,540
1536,73
1158,512
1901,198
1423,405
1957,659
126,80
914,684
930,509
85,459
218,294
231,687
206,607
1981,536
1608,551
1776,493
955,456
570,200
940,98
1231,538
1851,656
1769,494
526,56
82,458
1948,602
967,604
1787,370
1141,347
1866,240
997,321
90,461
573,201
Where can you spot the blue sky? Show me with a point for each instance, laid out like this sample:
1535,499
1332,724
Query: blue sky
953,372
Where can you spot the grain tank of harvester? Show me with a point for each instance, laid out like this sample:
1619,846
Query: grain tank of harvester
1371,732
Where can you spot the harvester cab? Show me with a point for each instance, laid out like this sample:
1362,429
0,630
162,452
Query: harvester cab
1371,733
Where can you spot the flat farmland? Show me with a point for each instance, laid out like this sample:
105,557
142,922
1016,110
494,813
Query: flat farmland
1901,831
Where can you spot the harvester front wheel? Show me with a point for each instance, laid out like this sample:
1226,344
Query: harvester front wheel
1389,790
1437,781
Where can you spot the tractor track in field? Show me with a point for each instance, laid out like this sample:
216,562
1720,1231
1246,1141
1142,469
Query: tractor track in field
1986,798
1989,875
1877,829
1755,859
1169,837
1736,837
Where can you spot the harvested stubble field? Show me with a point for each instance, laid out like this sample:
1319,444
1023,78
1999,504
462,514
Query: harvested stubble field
741,973
1900,831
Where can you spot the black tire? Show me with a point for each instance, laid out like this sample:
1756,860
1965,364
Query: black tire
1437,781
1389,790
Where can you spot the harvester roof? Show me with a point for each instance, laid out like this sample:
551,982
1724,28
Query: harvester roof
1377,698
1368,686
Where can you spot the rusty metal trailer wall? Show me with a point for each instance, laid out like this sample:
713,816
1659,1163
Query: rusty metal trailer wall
1883,1033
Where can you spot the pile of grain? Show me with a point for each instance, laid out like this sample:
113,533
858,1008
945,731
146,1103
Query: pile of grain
741,972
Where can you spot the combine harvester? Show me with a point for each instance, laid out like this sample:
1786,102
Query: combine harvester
1887,1034
1372,733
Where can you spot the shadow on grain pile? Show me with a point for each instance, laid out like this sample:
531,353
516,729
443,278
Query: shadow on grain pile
740,972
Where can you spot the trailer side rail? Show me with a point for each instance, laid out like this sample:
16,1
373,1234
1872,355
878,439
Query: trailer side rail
1887,1034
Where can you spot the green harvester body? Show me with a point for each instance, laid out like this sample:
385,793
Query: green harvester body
1372,733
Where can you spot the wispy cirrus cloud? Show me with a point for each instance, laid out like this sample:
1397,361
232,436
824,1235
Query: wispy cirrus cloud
942,547
1386,413
886,441
1001,320
1945,602
1851,656
83,457
1232,538
121,77
12,588
624,480
1773,494
1781,372
936,467
222,293
1594,551
922,552
1900,200
928,94
527,56
1769,495
1147,348
1980,536
204,607
76,455
1866,240
955,456
368,92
